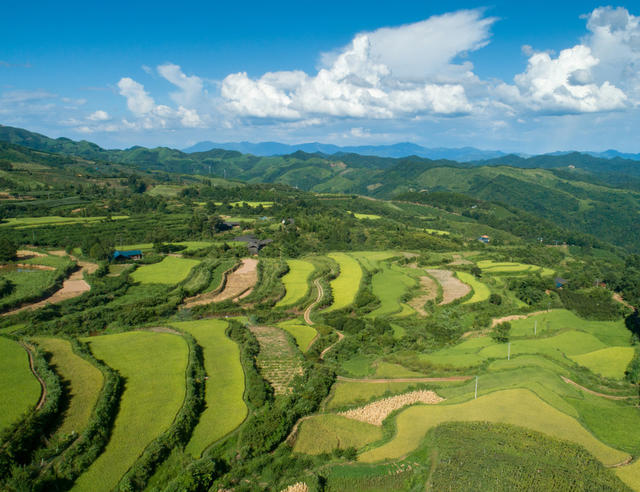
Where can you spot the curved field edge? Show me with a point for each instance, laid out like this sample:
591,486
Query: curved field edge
516,407
84,382
153,365
296,282
224,388
346,285
480,290
19,388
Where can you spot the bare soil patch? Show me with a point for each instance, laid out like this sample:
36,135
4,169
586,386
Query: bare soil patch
72,287
430,289
375,413
25,254
278,360
297,487
514,317
452,287
238,283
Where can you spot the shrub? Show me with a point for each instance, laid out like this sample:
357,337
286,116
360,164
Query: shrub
501,332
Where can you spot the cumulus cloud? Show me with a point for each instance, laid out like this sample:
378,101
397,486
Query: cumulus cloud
600,74
150,115
564,84
387,73
191,87
99,115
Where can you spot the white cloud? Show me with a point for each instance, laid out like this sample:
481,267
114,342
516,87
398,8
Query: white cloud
150,115
564,84
191,87
99,115
388,73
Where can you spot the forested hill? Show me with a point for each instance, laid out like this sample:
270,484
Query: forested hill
571,191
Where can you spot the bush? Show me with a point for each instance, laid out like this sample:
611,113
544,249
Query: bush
501,332
8,249
495,299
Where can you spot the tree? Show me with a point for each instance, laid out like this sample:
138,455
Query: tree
8,249
476,271
495,299
501,332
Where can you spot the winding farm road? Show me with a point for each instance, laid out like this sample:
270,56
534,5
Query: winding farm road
405,380
587,390
340,337
307,312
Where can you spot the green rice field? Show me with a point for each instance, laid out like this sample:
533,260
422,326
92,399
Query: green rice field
507,267
225,408
154,366
29,222
324,433
348,393
171,270
296,282
516,407
83,378
303,333
19,388
480,291
389,285
610,362
346,285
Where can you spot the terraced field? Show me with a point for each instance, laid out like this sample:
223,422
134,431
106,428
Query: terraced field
296,282
324,433
83,380
517,407
452,288
510,268
19,388
154,366
225,408
346,285
278,361
390,285
480,291
171,270
303,333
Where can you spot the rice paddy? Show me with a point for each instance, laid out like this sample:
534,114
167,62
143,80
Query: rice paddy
84,382
508,267
480,290
171,270
19,388
390,285
516,407
303,333
346,285
154,366
296,282
225,408
30,222
324,433
610,362
348,393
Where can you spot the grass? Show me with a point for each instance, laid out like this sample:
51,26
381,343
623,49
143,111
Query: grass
154,366
84,382
480,291
613,333
29,222
389,370
324,433
358,366
28,284
303,334
19,388
630,475
610,362
509,267
346,285
296,282
483,456
517,407
225,408
347,393
166,190
389,285
171,270
366,216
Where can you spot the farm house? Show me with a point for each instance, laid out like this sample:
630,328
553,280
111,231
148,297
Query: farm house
134,254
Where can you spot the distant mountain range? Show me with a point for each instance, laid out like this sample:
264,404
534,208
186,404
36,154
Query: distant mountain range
402,149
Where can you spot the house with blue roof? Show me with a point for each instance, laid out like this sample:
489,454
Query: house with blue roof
127,255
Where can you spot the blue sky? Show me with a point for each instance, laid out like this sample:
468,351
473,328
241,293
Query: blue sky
527,78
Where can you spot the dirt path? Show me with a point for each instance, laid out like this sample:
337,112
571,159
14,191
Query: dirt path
514,317
340,337
43,393
307,312
73,286
406,380
618,298
609,397
25,254
430,287
452,287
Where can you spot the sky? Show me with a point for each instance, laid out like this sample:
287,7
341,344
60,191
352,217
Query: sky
502,75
